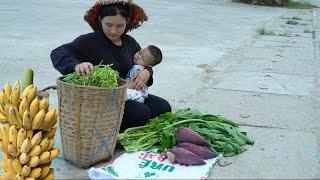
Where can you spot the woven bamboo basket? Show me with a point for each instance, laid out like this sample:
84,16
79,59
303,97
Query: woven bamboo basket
90,119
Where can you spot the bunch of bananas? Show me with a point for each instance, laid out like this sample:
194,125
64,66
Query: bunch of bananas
26,133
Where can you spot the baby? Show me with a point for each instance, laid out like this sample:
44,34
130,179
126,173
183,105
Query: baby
147,57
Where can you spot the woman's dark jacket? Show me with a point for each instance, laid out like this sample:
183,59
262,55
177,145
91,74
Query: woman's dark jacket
96,47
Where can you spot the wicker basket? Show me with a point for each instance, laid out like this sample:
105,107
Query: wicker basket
90,119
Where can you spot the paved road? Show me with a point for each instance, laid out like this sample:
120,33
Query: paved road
214,60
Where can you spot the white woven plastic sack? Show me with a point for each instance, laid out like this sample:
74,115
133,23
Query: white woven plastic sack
150,165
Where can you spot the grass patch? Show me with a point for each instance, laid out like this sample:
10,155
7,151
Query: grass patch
292,22
296,18
312,32
299,5
264,31
291,4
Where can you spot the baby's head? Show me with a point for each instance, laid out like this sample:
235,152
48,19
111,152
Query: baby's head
148,57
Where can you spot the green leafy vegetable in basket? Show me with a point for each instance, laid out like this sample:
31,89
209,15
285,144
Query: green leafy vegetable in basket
223,135
102,76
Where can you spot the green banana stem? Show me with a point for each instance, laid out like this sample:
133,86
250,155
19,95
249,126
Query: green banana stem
27,78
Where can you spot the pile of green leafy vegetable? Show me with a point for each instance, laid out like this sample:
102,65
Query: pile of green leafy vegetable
101,76
224,135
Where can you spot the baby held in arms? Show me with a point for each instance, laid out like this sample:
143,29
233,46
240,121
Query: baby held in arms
147,57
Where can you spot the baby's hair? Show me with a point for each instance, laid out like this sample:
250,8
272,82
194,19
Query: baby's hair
156,53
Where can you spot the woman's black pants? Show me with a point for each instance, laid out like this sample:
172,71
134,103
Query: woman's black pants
138,114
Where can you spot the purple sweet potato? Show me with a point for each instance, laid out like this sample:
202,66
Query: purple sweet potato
184,157
201,151
188,135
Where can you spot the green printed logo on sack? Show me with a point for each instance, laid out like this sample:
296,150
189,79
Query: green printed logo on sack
111,170
147,175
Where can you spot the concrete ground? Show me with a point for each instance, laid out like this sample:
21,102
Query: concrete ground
214,60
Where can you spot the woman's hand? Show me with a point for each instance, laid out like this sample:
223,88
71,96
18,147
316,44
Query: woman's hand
139,80
84,68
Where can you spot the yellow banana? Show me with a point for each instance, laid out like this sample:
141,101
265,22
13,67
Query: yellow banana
6,108
4,98
7,89
26,120
34,108
24,158
4,165
22,135
3,118
49,119
17,167
34,161
44,104
23,106
1,134
25,92
36,139
50,175
35,173
15,94
29,178
54,153
5,155
11,116
26,170
2,111
4,161
9,164
50,133
12,146
0,138
8,176
44,171
1,98
12,149
44,144
14,116
38,120
5,137
45,157
35,151
30,133
51,144
19,176
26,146
32,93
13,134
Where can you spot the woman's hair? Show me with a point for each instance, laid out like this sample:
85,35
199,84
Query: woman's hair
113,10
133,14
